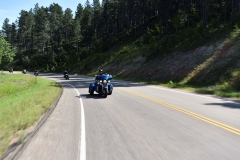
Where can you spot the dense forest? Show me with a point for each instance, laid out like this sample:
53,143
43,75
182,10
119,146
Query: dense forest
53,40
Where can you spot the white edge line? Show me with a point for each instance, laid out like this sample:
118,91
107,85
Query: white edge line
83,137
192,93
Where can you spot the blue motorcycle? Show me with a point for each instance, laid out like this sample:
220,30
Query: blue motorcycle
102,85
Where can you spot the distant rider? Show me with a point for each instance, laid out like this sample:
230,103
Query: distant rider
64,73
24,71
35,72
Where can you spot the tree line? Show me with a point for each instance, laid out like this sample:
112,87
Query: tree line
52,38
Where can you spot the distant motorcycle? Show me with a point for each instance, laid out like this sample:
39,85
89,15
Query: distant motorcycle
24,71
66,76
11,71
36,73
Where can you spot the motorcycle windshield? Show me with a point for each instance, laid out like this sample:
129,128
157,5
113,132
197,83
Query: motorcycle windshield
104,77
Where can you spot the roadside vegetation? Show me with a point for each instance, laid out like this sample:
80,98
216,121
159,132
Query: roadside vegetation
23,100
207,77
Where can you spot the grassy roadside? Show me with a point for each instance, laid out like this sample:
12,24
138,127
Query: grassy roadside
23,100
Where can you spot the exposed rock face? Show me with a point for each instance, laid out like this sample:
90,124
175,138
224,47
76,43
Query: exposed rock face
203,65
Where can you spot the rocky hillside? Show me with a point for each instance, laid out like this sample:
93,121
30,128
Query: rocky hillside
211,64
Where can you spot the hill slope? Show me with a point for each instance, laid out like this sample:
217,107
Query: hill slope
216,67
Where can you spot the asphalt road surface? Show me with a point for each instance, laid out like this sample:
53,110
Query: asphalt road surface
136,122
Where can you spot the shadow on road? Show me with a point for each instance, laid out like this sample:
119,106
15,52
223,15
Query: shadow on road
95,96
233,105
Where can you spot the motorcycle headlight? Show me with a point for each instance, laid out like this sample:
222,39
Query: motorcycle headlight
108,81
104,81
100,81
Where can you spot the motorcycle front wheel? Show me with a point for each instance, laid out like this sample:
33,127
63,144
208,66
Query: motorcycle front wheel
91,91
109,93
105,93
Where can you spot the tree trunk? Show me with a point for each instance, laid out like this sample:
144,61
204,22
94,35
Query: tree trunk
225,16
43,48
232,17
238,7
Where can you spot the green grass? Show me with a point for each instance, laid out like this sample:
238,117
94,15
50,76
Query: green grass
23,100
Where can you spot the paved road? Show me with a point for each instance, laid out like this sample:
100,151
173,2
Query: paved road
136,122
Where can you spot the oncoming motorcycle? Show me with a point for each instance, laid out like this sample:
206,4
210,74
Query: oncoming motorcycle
102,85
35,73
66,76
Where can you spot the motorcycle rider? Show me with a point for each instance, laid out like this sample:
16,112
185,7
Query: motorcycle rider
100,72
24,71
35,72
11,70
64,73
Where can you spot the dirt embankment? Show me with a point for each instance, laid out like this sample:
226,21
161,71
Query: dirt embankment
205,65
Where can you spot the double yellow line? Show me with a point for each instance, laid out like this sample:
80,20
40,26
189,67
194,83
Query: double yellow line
221,125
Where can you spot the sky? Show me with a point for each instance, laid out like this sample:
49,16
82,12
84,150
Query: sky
11,8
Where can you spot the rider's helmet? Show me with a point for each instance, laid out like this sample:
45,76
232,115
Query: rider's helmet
100,71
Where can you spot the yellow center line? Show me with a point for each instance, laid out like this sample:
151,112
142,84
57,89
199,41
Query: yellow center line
221,125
